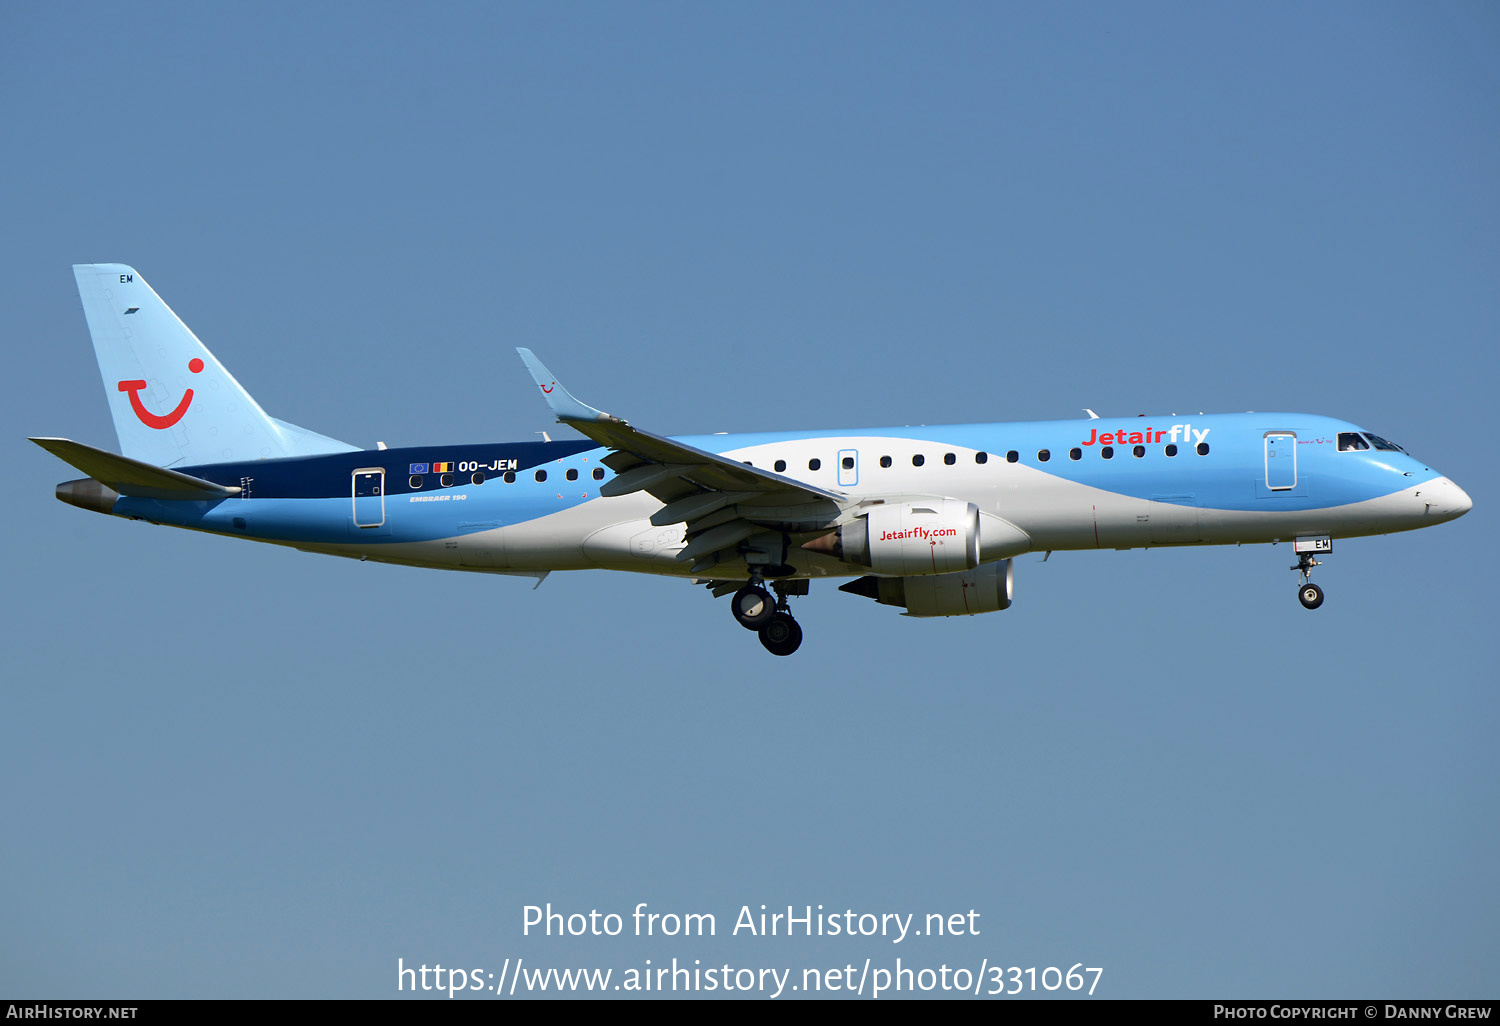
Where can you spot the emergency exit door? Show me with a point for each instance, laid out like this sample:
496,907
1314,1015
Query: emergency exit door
1281,461
369,497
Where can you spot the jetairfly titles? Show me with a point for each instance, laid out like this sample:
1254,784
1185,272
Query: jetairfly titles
1150,436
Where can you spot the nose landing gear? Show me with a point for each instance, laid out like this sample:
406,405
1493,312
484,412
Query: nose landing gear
1309,594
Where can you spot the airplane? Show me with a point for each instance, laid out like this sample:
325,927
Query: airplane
925,519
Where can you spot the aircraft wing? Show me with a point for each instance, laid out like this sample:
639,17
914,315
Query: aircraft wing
723,502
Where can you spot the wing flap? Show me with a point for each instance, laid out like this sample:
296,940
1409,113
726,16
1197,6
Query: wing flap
716,539
690,508
642,478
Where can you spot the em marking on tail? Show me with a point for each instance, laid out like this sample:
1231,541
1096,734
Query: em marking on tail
152,420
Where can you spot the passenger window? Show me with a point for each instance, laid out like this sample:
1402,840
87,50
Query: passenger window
1171,450
814,464
541,475
1075,454
598,473
1350,441
950,459
848,462
1202,448
1043,455
1012,456
1139,451
572,475
416,481
780,466
478,478
446,480
1108,452
918,460
981,457
885,461
510,477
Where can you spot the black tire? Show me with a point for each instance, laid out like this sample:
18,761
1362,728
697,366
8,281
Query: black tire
782,636
1310,595
753,607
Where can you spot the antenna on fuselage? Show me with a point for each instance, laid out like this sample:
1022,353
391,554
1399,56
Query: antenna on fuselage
1091,413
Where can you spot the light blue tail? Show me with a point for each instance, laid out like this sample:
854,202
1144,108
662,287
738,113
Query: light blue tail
172,401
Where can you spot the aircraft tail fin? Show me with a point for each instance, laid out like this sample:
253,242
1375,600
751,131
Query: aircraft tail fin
172,401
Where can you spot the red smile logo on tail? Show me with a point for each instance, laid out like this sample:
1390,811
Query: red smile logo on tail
151,420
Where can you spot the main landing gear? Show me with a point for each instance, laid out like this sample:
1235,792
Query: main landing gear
754,608
1309,594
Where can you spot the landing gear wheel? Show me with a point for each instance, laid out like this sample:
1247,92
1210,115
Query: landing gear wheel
752,607
782,636
1310,595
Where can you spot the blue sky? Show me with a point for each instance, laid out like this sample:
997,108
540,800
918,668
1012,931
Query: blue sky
236,770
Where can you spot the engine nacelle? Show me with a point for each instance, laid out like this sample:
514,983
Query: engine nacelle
985,589
923,536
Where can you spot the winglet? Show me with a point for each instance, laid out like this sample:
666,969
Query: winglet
560,399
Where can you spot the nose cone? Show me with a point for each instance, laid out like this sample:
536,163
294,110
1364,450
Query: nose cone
1445,500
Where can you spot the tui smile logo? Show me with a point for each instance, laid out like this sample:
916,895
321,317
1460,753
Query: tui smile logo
152,420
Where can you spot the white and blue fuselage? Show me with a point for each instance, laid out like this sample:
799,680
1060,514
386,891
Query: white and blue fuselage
1088,484
927,518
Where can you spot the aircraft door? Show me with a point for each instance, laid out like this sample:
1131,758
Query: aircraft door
1281,461
848,467
369,497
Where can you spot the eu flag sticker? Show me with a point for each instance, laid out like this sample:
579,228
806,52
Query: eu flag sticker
418,468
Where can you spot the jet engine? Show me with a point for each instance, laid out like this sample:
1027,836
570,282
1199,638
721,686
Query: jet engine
985,589
923,536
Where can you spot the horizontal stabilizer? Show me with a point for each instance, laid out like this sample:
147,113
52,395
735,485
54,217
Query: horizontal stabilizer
132,477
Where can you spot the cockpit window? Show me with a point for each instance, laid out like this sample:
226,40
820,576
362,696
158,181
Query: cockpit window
1352,441
1381,443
